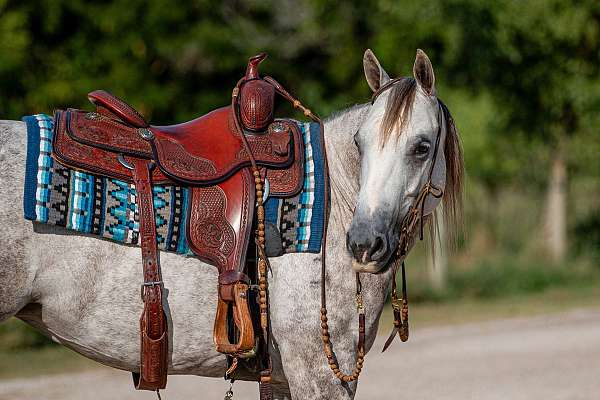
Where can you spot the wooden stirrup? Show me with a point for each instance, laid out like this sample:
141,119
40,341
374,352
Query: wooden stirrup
242,320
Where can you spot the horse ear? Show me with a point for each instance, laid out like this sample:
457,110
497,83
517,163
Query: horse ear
374,72
423,72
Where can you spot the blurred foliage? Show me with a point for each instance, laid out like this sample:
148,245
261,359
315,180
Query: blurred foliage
16,336
518,76
530,67
505,277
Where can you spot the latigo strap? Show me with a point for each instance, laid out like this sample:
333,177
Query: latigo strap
153,322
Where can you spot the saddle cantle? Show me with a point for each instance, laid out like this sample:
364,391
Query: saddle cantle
226,158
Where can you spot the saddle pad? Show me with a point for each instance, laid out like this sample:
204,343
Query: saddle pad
105,207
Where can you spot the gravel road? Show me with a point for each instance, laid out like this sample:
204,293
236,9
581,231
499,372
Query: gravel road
545,357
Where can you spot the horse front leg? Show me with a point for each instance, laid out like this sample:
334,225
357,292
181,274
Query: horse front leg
296,336
309,375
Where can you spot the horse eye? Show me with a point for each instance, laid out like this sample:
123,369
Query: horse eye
422,148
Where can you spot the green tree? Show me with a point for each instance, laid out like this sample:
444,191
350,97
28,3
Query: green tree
539,60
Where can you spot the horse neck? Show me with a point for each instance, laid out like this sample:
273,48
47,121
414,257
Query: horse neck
344,163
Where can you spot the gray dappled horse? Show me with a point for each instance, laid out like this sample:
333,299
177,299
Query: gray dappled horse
86,297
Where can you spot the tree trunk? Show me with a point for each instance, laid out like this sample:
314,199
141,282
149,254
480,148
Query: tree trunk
438,262
556,209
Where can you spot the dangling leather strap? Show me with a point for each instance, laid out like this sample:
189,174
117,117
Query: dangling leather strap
400,307
153,322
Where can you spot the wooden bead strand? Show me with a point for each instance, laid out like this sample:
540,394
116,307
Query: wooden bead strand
331,359
262,263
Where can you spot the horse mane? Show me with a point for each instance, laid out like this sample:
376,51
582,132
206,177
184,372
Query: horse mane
397,114
452,201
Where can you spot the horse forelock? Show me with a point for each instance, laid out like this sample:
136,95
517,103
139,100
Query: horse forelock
398,108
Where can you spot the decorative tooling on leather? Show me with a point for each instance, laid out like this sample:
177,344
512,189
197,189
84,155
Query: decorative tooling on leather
113,104
276,143
256,104
287,182
97,129
182,163
211,231
70,152
262,145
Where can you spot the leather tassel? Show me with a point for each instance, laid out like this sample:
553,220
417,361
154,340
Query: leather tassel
397,321
404,310
400,307
404,327
390,339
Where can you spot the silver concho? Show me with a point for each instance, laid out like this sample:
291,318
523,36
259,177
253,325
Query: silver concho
146,133
92,115
278,127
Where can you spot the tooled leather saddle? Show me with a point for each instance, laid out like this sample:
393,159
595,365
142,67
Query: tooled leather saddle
225,157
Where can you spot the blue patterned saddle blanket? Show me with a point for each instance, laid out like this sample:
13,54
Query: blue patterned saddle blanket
57,195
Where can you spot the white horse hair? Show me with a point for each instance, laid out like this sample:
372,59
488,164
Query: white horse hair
87,297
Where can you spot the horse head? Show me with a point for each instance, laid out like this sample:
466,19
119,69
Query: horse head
410,162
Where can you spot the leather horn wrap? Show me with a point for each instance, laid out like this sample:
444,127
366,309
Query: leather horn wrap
257,98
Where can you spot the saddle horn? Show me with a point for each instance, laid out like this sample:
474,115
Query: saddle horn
253,63
257,98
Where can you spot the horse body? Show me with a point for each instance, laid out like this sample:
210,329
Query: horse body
85,293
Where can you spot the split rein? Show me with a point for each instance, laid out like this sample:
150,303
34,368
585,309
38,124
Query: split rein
413,219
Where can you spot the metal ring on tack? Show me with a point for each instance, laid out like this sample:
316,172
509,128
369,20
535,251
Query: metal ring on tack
92,115
154,283
278,127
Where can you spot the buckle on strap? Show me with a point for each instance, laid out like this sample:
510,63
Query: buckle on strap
148,284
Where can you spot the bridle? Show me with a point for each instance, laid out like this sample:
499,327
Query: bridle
414,219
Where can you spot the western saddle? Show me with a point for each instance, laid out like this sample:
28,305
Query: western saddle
224,157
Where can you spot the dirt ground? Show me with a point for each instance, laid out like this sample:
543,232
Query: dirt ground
545,357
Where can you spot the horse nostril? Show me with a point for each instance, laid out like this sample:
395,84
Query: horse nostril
378,249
